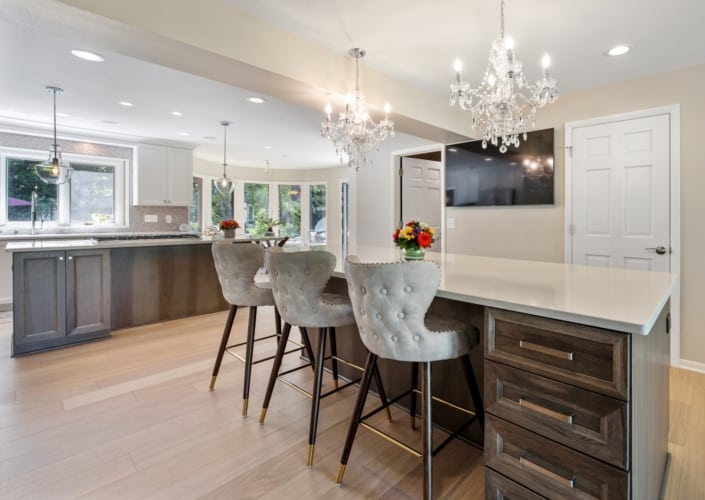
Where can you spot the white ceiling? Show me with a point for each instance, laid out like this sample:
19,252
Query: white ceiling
415,42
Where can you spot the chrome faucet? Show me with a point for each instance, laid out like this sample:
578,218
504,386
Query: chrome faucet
33,208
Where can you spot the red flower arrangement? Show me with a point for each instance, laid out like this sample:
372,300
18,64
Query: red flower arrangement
228,224
414,235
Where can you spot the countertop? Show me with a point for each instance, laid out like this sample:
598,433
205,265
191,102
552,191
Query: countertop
617,299
78,243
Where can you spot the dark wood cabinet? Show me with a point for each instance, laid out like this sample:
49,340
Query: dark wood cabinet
60,298
574,411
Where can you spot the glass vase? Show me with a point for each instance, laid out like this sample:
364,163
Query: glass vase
228,233
413,253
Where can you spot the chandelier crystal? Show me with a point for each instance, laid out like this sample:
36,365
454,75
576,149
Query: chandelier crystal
224,184
54,170
504,105
354,134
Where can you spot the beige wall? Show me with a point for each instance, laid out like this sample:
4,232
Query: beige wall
537,233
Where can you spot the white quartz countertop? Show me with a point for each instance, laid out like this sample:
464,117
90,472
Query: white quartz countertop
618,299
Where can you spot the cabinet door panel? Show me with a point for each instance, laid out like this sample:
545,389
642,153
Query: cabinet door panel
580,419
499,487
179,164
549,468
587,357
88,292
150,179
39,298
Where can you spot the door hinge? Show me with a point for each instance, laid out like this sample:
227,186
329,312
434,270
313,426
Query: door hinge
401,171
570,150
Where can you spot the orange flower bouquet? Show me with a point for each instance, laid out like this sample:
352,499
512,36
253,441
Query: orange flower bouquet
414,236
228,224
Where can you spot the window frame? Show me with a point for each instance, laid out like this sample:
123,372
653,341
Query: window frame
63,193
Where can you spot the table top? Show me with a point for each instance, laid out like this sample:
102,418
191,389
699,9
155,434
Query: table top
617,299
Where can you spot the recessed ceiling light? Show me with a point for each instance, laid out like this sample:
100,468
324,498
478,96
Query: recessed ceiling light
488,159
64,115
210,137
619,50
127,104
256,100
183,133
453,150
267,147
87,56
177,113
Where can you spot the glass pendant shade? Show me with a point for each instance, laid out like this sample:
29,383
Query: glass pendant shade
224,184
54,170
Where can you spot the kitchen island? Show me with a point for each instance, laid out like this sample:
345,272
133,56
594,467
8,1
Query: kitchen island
575,364
67,291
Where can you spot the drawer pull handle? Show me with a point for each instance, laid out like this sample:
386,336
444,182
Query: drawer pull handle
568,419
563,481
557,353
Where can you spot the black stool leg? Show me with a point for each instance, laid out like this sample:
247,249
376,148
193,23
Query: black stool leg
414,382
474,391
277,324
276,366
370,369
333,354
223,344
427,431
249,350
316,395
380,390
309,350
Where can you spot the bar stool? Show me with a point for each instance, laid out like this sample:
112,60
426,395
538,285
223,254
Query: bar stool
236,265
390,303
298,280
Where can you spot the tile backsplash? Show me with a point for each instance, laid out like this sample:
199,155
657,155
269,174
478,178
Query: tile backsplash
179,215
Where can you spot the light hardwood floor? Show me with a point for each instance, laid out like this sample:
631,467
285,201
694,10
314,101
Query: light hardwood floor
132,417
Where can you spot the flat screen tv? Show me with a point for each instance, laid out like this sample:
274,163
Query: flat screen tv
485,177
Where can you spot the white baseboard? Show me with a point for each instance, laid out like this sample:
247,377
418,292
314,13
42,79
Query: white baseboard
5,304
692,365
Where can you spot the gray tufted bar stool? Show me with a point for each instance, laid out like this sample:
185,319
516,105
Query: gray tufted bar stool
236,265
390,302
298,283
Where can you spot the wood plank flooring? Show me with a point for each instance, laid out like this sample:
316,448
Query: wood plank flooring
132,417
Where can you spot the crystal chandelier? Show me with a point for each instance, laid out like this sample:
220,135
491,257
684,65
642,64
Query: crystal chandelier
505,103
54,170
354,134
225,185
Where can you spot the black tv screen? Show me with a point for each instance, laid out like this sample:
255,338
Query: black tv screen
485,177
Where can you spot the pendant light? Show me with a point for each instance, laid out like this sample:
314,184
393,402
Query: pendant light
54,170
225,185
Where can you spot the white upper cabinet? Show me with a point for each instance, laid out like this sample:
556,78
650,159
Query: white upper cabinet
164,176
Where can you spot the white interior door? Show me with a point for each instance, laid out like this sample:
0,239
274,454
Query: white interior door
421,188
621,194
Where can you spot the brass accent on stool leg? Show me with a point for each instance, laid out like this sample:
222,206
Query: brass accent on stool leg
341,472
262,415
309,462
244,407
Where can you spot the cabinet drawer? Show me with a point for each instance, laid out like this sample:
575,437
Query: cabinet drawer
588,357
498,487
580,419
549,468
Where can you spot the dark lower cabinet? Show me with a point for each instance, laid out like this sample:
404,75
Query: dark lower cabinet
60,298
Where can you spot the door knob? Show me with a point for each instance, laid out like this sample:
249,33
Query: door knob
659,249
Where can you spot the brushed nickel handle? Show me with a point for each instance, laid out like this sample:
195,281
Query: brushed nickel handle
563,481
557,353
61,258
563,417
661,250
70,257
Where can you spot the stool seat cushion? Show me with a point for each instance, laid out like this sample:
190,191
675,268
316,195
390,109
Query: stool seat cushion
237,265
298,280
390,302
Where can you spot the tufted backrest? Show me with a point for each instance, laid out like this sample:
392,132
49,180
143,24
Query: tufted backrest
236,265
298,280
390,302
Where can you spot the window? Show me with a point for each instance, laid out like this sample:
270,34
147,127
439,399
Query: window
290,210
256,208
317,213
221,205
95,195
194,212
92,193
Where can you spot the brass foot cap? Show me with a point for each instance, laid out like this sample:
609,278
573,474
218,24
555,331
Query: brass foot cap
309,463
262,415
341,471
244,407
212,382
